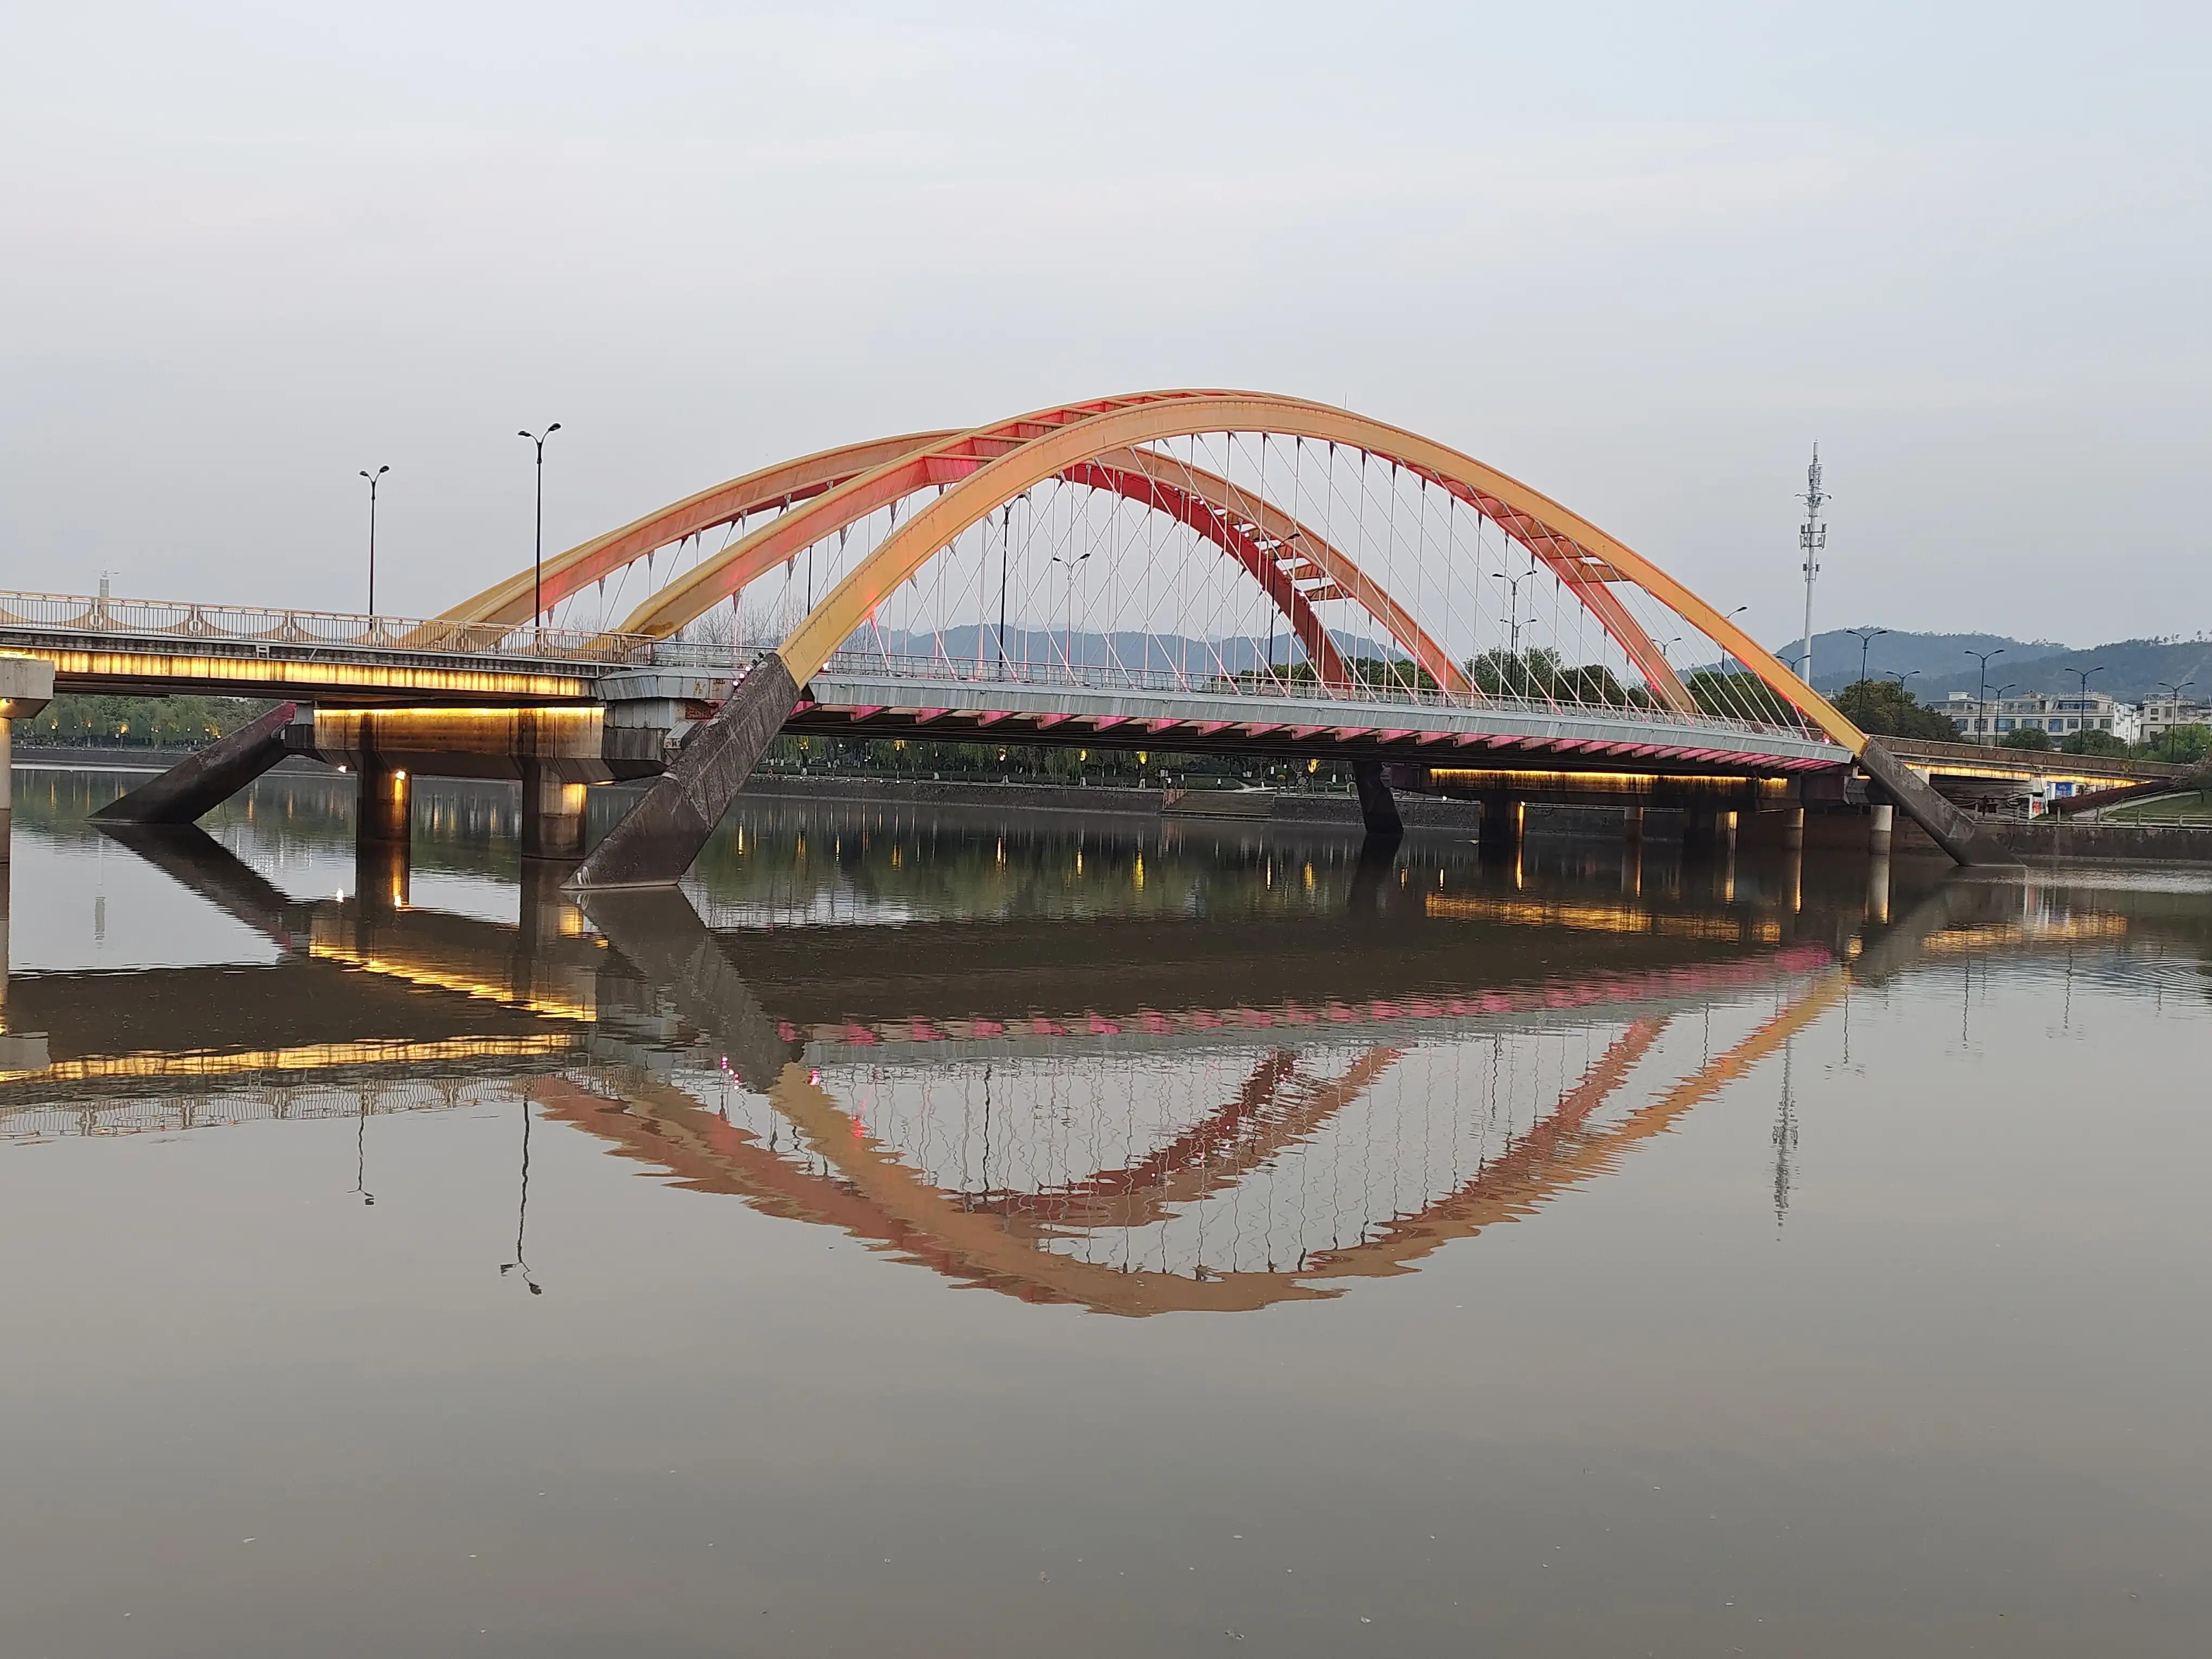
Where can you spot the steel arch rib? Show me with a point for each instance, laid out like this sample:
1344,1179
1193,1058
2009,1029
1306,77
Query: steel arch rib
786,483
1556,535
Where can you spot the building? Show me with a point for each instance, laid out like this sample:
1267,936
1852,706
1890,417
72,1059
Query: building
2164,710
2063,715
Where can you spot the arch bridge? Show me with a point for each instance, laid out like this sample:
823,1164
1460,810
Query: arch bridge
1191,570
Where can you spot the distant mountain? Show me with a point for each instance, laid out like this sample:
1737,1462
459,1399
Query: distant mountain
1929,657
2133,669
1939,664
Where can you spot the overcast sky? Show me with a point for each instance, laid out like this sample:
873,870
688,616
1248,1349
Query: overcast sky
1639,256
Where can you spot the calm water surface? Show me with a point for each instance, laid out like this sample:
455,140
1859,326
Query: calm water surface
945,1234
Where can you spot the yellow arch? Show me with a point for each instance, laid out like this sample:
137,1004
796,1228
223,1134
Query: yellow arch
786,482
985,484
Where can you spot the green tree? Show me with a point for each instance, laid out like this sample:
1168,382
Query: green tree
2183,745
1888,710
2093,743
2024,737
1737,696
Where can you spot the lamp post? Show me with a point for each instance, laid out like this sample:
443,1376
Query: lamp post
537,559
2173,689
1899,679
1982,697
1866,637
1067,636
373,477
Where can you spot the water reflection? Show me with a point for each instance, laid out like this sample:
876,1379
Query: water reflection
1137,1068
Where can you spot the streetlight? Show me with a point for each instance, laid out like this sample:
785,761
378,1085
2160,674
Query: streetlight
373,477
1983,657
1866,636
2173,690
1899,679
1067,638
538,562
1513,605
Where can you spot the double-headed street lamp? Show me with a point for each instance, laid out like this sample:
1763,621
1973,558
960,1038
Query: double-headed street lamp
1866,636
538,562
1983,657
373,477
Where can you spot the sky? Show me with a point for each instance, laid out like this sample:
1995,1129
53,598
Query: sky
1639,257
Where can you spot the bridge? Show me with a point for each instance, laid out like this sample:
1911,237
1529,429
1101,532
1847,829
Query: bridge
1191,570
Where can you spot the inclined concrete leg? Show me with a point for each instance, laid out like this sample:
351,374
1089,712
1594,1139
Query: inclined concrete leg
1378,810
654,845
1884,818
382,810
7,807
204,780
552,814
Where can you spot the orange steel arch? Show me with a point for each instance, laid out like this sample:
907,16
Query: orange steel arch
891,481
981,481
783,485
1255,533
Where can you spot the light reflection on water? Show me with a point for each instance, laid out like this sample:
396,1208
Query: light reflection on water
1133,1069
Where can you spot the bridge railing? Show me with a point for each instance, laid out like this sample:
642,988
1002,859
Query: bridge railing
859,661
122,621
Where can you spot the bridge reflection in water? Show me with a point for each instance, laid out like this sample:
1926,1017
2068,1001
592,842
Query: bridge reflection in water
1137,1072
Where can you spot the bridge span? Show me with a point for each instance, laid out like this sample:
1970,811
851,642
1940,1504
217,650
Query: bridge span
1187,570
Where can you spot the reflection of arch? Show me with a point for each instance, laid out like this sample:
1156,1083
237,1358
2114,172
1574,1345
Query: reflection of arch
781,485
870,1191
1583,555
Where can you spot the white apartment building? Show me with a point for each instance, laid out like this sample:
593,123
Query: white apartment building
2164,710
2061,714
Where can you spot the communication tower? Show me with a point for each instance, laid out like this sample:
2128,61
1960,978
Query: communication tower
1812,539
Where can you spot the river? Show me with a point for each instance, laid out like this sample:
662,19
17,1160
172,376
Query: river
948,1233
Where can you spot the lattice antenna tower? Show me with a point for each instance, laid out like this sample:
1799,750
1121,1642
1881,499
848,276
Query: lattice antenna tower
1812,541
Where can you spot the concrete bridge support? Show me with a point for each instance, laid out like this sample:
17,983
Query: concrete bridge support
384,811
1884,816
1504,821
1707,831
204,780
1378,809
27,685
552,814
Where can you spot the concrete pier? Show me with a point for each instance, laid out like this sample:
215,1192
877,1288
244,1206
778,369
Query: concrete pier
385,810
552,814
1504,821
1883,820
27,686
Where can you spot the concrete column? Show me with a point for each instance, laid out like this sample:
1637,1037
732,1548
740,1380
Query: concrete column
552,814
382,811
1793,829
1877,904
1631,824
27,685
1885,818
1503,820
